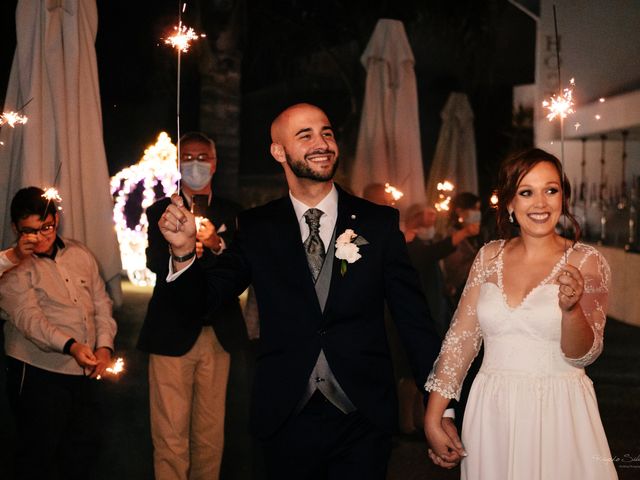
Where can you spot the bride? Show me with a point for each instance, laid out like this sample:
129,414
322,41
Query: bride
538,301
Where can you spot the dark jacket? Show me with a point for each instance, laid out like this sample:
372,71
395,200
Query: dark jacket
268,252
165,334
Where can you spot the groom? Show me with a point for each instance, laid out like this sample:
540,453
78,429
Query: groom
324,401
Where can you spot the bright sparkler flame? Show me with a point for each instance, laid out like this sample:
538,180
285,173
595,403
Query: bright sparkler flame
444,201
181,39
494,199
118,367
12,118
52,195
560,105
395,193
199,219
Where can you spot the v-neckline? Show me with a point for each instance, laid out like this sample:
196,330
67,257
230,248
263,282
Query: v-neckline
561,261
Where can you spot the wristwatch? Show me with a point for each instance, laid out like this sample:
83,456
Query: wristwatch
183,258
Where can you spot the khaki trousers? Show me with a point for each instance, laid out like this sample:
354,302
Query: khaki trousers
187,403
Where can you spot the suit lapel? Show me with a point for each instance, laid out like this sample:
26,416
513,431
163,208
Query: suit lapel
347,218
294,258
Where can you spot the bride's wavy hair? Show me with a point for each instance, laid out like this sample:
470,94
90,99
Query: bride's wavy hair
512,170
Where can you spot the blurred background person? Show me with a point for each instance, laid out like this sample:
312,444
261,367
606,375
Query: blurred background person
465,211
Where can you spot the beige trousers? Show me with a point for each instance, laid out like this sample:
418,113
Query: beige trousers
187,402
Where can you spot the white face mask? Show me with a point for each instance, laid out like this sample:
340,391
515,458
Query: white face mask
195,174
426,233
475,216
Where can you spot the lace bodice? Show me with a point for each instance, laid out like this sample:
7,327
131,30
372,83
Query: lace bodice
525,338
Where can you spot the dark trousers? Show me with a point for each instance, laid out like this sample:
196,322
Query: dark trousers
56,418
322,443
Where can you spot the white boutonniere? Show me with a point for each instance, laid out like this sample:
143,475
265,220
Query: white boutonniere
348,247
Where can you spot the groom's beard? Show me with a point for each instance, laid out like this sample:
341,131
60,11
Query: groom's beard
302,170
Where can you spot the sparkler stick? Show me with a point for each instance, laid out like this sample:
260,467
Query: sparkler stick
560,106
181,41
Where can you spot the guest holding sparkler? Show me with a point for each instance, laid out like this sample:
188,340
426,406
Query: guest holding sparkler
189,362
58,337
539,302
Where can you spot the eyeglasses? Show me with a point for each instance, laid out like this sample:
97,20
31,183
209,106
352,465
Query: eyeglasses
201,157
45,230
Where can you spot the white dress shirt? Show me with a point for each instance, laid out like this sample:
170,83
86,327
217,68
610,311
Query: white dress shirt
329,207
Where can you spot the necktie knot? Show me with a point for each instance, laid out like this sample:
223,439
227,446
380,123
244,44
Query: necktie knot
312,217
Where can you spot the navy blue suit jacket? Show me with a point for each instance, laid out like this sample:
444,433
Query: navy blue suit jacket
268,253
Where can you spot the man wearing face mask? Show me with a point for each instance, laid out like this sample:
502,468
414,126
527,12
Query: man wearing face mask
189,361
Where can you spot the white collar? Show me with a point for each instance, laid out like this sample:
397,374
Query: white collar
328,205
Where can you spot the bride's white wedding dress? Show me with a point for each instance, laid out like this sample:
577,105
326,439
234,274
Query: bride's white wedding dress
532,412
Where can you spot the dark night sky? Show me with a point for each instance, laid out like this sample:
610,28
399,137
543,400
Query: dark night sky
492,40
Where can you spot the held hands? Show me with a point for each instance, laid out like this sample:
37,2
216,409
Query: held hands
178,226
446,449
571,287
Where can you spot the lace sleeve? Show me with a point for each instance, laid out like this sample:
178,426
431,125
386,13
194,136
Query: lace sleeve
597,279
463,339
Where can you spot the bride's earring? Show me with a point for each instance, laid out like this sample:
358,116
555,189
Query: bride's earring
511,216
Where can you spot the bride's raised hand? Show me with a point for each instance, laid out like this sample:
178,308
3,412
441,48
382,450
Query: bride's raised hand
571,287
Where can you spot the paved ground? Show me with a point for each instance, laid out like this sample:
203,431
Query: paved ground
127,453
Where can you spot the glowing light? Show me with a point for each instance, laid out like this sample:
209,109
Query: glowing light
601,100
182,38
393,191
444,198
577,125
560,105
156,168
12,118
116,369
52,195
597,117
494,199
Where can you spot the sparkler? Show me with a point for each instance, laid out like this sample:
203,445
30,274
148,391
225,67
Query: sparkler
181,41
561,106
393,191
12,118
116,369
199,220
444,196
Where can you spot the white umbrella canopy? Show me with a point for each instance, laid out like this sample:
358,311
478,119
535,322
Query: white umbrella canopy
389,138
455,155
55,70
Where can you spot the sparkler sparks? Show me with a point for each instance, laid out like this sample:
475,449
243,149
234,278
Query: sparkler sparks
182,38
444,198
395,193
12,118
560,105
52,195
116,369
